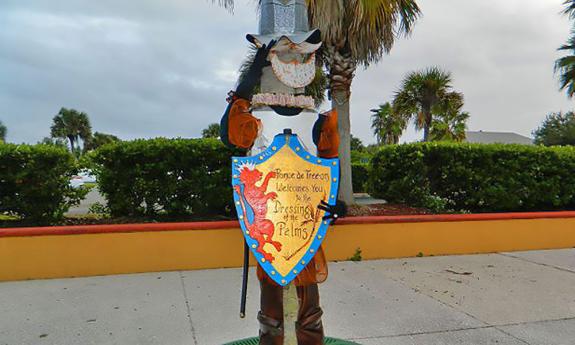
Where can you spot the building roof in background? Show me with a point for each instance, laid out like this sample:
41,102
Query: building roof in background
482,137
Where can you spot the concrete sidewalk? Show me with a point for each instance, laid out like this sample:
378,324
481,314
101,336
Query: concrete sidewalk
505,299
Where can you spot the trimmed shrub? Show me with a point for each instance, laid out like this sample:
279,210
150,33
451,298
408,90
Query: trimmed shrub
360,157
360,175
475,177
172,177
35,182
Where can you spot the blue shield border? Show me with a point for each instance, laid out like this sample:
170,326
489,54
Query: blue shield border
278,143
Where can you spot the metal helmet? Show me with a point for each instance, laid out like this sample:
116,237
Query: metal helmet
283,17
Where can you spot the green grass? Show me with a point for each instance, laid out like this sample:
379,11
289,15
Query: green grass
90,185
5,217
356,256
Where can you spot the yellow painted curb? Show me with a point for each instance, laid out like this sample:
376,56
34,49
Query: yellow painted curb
43,255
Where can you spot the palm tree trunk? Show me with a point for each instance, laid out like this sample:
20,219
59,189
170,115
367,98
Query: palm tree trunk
71,138
342,69
427,124
344,123
426,133
291,307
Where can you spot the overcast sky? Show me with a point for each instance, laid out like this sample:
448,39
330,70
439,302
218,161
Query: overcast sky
152,68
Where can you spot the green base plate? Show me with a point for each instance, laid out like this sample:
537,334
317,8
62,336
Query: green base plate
256,341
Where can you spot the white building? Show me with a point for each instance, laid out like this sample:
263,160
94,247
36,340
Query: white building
483,137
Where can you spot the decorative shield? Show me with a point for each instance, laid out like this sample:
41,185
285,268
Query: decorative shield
276,194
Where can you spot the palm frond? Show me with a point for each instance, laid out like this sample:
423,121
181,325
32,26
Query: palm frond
3,131
565,68
227,4
387,125
366,28
569,8
426,93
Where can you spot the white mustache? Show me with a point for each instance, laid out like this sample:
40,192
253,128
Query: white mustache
293,73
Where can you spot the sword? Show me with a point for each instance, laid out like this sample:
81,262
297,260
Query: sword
245,280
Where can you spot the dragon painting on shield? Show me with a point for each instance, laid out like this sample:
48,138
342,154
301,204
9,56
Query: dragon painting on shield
260,229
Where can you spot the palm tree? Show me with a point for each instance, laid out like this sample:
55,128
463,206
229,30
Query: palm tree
212,131
386,125
420,93
3,132
354,33
565,66
53,142
72,125
99,139
450,124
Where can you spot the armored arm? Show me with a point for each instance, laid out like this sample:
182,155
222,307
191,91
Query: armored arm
238,127
325,134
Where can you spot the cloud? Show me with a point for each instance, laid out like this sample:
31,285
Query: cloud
500,53
149,68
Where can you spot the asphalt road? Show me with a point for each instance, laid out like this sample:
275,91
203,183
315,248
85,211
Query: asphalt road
91,198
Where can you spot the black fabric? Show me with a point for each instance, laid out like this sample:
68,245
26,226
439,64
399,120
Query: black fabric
224,134
314,38
317,127
286,111
247,85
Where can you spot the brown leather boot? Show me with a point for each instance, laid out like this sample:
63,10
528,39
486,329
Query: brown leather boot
309,327
271,314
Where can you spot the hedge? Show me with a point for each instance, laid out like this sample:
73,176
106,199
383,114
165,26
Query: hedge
360,176
475,177
172,177
35,182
